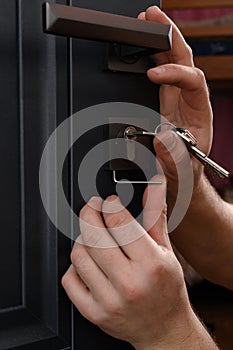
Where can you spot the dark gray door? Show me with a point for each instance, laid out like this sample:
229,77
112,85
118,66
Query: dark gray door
44,79
34,310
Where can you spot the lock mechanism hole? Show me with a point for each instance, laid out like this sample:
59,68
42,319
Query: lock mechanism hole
130,133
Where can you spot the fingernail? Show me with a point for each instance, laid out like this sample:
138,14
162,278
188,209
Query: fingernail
94,198
112,198
112,205
159,178
95,203
158,70
154,6
157,8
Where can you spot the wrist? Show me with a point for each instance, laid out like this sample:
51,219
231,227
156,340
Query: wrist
203,194
199,191
188,334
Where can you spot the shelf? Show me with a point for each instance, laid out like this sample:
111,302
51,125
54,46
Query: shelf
207,32
179,4
216,67
219,68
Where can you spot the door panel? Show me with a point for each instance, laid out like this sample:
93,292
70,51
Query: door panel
44,79
33,255
92,84
9,176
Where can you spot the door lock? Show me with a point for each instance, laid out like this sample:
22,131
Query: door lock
130,153
130,144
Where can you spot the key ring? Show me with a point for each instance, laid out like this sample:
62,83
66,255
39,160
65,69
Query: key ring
162,124
191,144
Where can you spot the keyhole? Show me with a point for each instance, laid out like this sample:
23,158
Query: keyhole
130,142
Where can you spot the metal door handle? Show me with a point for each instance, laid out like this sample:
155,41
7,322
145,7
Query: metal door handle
95,25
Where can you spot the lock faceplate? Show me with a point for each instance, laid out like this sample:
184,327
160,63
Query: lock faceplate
126,153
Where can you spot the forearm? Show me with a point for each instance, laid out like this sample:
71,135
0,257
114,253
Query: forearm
188,335
205,236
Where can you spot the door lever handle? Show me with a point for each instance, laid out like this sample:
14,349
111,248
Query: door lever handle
95,25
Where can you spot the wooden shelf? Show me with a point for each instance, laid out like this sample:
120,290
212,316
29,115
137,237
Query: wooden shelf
216,67
184,4
207,32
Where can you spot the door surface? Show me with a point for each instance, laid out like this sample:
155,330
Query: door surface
45,79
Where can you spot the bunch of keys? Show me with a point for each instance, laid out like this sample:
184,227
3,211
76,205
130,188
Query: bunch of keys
191,144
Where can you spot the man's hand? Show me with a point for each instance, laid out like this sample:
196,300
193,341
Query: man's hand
204,237
184,98
129,282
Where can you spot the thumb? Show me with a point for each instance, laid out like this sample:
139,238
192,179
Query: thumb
175,161
155,211
171,153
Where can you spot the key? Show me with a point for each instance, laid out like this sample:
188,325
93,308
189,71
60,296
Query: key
191,144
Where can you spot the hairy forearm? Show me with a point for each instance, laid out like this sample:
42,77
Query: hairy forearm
205,236
188,335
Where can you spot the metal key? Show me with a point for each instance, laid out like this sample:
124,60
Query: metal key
191,144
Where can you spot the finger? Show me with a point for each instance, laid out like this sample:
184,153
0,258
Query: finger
188,79
93,230
172,153
81,297
142,15
89,272
154,212
70,278
77,291
180,53
129,234
177,165
188,85
101,246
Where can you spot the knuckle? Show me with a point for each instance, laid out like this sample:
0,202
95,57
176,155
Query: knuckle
94,315
101,320
107,312
157,269
92,238
163,215
65,280
108,256
132,292
97,320
84,212
189,50
201,81
115,220
78,256
113,308
200,74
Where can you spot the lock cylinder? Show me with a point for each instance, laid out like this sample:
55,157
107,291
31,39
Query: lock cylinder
130,133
